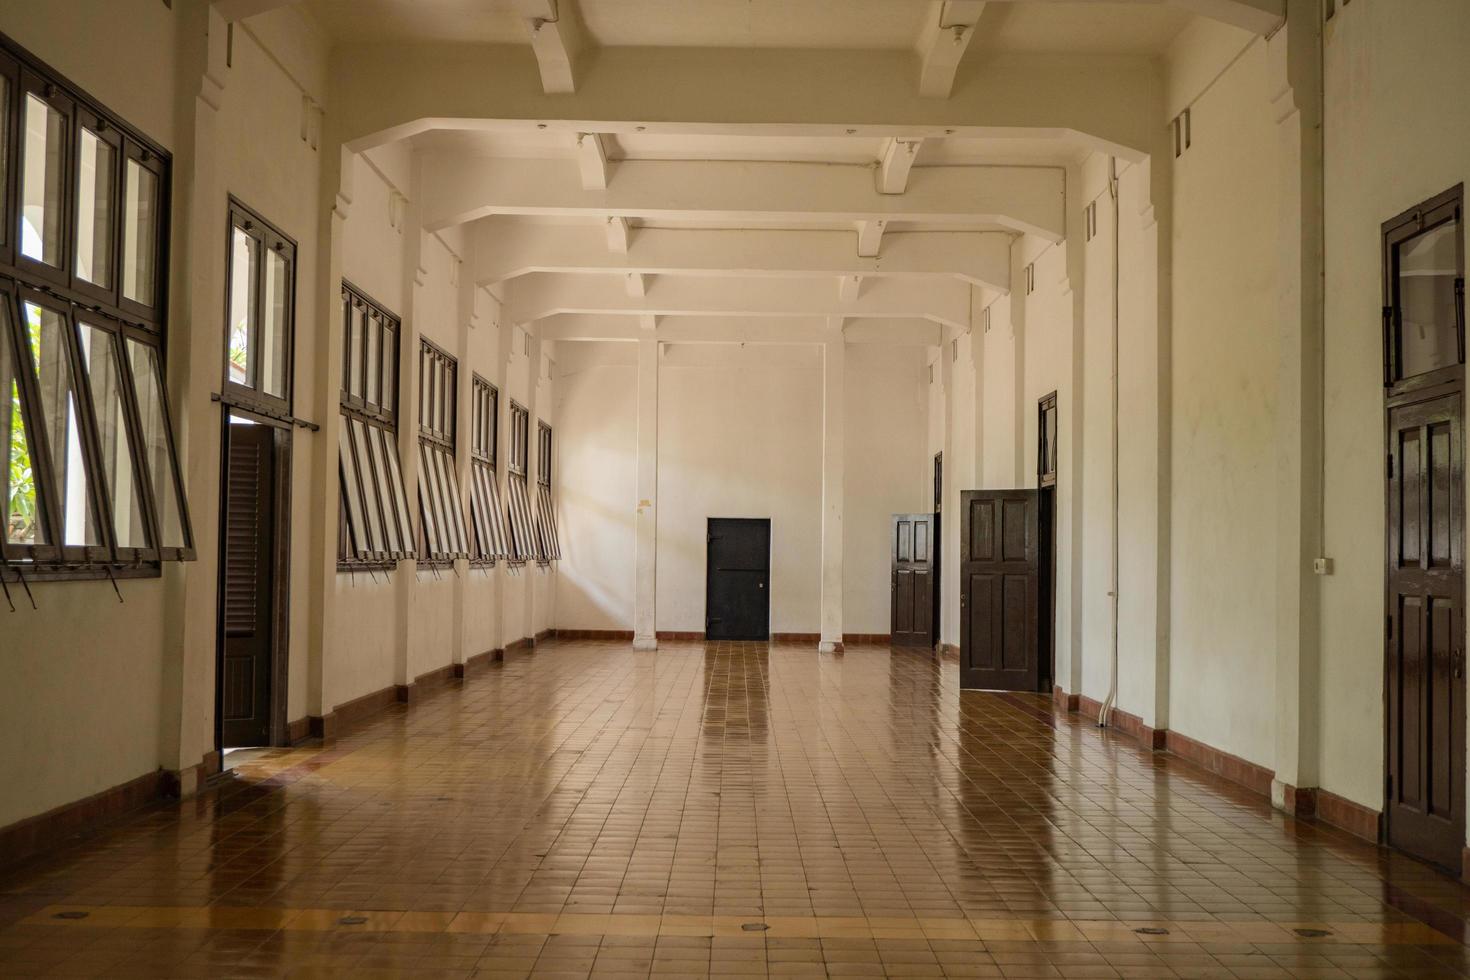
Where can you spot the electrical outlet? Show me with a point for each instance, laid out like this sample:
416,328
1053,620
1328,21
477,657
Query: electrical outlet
1322,566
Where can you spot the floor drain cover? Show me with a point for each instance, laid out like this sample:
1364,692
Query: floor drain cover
71,915
352,920
755,927
1152,931
1312,933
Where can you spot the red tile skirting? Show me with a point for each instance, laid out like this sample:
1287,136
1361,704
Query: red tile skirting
437,677
298,731
350,713
1301,803
947,650
524,643
683,635
544,635
796,637
1231,767
1123,721
1356,819
625,636
1064,701
476,662
868,639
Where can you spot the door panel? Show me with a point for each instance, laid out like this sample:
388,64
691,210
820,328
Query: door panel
737,591
914,573
1000,573
1425,683
247,580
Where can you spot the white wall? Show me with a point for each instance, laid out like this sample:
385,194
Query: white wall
1396,75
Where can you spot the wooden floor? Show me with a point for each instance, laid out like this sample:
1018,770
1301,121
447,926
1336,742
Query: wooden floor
730,809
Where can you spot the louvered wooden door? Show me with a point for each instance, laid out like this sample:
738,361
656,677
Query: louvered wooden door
246,587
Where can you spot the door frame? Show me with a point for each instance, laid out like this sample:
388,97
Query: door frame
1401,392
280,572
1046,482
934,588
709,577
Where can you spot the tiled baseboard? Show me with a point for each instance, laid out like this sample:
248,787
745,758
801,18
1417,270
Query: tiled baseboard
1123,721
625,636
868,639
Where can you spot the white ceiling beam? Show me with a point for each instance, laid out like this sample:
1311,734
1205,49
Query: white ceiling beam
538,296
870,238
942,42
1023,199
505,251
617,235
592,159
847,289
1257,16
235,10
557,41
895,163
636,284
1102,104
897,332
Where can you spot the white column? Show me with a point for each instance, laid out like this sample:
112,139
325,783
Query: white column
1295,54
645,621
834,407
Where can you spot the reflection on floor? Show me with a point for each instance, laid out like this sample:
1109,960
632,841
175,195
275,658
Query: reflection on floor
729,809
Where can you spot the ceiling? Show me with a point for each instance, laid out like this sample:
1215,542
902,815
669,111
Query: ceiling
1083,26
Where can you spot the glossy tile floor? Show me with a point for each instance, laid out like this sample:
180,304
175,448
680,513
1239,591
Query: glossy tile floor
725,810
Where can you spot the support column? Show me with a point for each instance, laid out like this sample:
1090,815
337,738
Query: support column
834,409
415,276
533,458
645,621
1295,63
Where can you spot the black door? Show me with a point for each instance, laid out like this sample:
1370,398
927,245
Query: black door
246,580
737,589
1426,630
913,540
1000,590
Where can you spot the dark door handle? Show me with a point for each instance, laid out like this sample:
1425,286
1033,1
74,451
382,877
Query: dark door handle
1457,664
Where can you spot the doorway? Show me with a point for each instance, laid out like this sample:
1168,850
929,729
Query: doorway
737,579
1047,455
250,674
1000,590
915,602
1424,662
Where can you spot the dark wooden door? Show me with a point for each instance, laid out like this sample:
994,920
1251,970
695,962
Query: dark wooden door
738,577
913,540
1000,590
1425,686
246,593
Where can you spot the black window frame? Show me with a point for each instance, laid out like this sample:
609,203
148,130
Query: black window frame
125,325
490,540
249,395
547,540
1442,209
524,540
359,472
441,541
1047,458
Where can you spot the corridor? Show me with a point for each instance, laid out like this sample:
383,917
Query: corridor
724,809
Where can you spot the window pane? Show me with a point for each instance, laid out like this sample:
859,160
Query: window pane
46,330
429,504
354,352
390,452
1428,265
392,542
244,261
4,161
351,491
275,333
96,175
441,502
41,188
390,370
140,234
454,513
374,357
104,377
369,484
158,455
22,505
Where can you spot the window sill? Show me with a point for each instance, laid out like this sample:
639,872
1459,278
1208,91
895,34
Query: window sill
368,566
14,571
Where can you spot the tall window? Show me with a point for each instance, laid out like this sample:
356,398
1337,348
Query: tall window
442,507
90,478
518,503
262,300
374,526
487,516
550,548
1424,294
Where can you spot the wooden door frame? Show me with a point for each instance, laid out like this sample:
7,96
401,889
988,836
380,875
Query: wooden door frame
1046,634
933,562
281,445
708,577
1401,393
